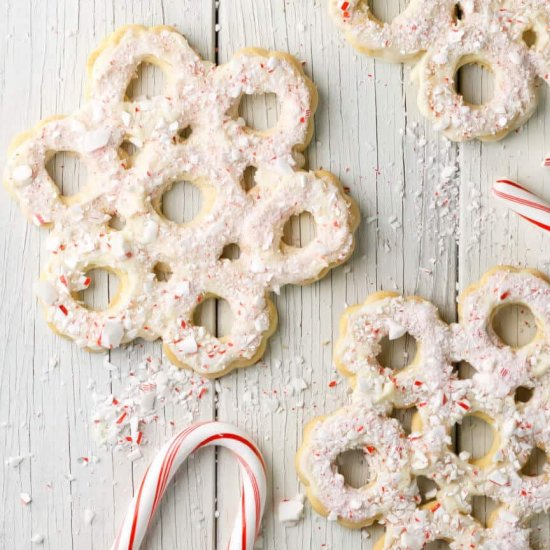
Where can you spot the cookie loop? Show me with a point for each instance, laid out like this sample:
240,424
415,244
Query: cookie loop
255,71
530,494
537,35
386,450
500,367
439,520
489,474
277,198
386,314
125,316
253,321
402,39
114,63
432,522
27,177
514,98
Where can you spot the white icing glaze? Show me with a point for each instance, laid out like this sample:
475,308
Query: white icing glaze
205,98
489,32
386,450
442,400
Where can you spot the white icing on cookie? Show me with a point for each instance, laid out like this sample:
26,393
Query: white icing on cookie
442,399
204,98
445,35
386,450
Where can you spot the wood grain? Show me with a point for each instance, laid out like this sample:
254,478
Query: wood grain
425,230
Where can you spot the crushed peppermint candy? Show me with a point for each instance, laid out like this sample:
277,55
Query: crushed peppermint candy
291,510
122,421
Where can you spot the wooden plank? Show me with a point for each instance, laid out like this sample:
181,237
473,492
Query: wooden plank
47,411
386,164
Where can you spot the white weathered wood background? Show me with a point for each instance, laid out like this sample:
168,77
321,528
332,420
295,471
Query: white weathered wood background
424,230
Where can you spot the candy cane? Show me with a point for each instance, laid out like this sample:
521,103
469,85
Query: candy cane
172,456
523,202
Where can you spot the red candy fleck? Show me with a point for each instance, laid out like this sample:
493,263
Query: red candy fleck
63,310
332,384
504,295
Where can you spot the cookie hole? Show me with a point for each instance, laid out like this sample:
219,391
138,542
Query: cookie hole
482,508
458,12
215,315
475,83
438,544
405,418
523,394
101,292
530,37
182,203
385,11
116,222
514,325
259,111
427,488
476,437
162,272
148,80
535,463
465,371
397,354
67,172
126,153
249,178
231,252
353,466
299,230
185,134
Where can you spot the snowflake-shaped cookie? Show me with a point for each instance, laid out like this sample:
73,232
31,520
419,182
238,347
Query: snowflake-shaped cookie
442,399
204,98
511,38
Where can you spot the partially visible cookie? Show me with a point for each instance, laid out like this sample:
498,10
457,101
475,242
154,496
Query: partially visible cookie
510,39
430,384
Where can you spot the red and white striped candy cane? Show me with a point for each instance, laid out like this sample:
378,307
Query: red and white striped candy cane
172,456
523,202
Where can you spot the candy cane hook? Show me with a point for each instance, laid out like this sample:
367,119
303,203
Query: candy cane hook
172,456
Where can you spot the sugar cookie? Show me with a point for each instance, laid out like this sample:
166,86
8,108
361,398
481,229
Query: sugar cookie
442,399
205,99
509,38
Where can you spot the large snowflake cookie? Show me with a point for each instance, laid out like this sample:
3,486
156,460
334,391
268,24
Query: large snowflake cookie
442,399
205,99
511,38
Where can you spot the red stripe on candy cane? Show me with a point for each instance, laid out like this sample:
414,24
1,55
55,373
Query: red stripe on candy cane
541,225
524,203
164,466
